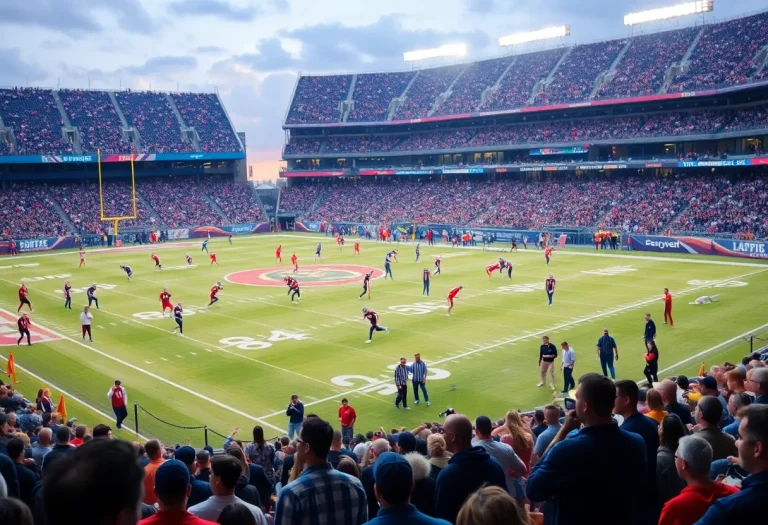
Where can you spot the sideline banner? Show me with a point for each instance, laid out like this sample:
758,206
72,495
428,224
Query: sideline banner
43,244
700,245
179,233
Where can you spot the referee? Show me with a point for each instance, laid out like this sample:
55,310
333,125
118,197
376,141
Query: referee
649,335
418,370
401,382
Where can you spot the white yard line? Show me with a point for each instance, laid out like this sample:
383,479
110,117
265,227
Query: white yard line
76,399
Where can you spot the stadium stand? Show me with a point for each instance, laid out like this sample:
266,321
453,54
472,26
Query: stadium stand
35,120
94,115
373,94
317,99
203,112
424,91
180,202
466,93
82,206
152,115
29,212
238,201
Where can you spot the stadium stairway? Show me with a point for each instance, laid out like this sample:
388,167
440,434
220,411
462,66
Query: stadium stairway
188,133
129,134
542,84
69,133
606,76
761,58
675,69
60,211
348,104
442,97
490,90
213,204
397,102
152,212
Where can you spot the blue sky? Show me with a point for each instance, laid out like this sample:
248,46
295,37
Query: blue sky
252,50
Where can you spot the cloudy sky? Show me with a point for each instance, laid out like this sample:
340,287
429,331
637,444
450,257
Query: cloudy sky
252,50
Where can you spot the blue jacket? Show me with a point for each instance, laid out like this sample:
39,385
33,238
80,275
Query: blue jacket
749,505
597,477
296,413
466,472
404,514
647,429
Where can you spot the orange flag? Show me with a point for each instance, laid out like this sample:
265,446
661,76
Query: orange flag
10,368
61,409
702,370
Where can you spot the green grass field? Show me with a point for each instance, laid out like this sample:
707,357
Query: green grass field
240,360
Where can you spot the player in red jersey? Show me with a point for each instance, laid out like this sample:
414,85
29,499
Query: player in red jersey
548,253
279,253
213,258
373,317
82,258
23,299
165,300
492,268
23,324
357,248
668,307
453,294
437,266
214,290
157,261
340,241
295,263
189,259
549,286
293,288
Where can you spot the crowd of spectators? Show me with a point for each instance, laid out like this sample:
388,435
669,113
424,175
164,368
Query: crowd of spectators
466,93
424,91
724,56
239,202
575,77
203,112
94,115
302,145
179,201
373,94
82,205
317,99
301,199
642,69
434,140
28,212
673,450
36,121
367,144
153,116
516,87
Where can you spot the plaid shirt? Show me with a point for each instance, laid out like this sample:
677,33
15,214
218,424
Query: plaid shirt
322,496
418,369
262,456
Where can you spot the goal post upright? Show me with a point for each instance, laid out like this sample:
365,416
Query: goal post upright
116,220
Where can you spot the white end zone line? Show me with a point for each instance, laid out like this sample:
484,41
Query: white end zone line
77,400
528,335
167,382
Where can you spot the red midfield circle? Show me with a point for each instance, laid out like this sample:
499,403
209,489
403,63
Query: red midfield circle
308,276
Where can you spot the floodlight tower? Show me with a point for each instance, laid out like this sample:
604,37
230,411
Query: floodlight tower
699,7
448,50
525,37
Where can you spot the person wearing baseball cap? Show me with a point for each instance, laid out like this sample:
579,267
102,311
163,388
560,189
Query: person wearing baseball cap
406,442
172,490
708,387
393,487
201,490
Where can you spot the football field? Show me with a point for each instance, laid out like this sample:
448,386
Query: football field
240,360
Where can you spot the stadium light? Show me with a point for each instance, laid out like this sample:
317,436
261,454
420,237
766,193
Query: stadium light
665,13
532,36
448,50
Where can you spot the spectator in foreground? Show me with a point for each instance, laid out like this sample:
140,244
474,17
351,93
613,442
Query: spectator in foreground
26,476
62,448
668,391
601,467
14,512
750,504
694,457
655,405
336,452
102,431
321,495
225,473
394,483
709,413
438,455
512,465
736,402
349,466
172,491
468,469
552,419
84,485
423,493
155,454
203,471
43,446
236,514
377,448
668,481
757,382
491,506
199,490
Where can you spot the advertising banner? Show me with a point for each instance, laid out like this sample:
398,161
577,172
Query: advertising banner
179,233
92,158
38,245
700,245
571,150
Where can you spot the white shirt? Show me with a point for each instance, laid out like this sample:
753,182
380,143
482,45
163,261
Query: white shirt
212,507
85,318
569,356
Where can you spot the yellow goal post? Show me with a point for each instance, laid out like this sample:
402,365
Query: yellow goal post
115,220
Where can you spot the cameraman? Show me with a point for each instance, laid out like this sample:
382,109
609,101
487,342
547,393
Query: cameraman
295,412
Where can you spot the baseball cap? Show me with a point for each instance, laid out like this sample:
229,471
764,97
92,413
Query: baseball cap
209,449
185,454
172,477
406,441
394,477
709,382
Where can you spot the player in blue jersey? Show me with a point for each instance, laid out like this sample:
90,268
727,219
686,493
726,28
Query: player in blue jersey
418,251
388,263
317,251
425,279
128,271
91,293
205,245
178,313
366,285
437,266
373,317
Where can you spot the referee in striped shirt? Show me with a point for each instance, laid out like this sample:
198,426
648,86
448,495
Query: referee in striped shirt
418,370
401,382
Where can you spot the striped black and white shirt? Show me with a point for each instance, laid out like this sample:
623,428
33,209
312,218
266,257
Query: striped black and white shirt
401,375
418,370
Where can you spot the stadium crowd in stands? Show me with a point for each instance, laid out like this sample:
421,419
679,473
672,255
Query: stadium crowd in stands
35,120
317,99
151,114
679,450
517,85
28,213
84,211
238,201
467,90
424,90
94,115
373,94
203,112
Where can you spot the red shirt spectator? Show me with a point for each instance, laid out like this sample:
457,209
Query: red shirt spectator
692,503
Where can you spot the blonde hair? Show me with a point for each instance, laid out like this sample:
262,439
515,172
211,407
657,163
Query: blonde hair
22,436
436,446
491,506
296,470
653,400
516,428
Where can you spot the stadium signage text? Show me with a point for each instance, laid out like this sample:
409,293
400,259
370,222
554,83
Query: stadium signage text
33,245
703,246
662,245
